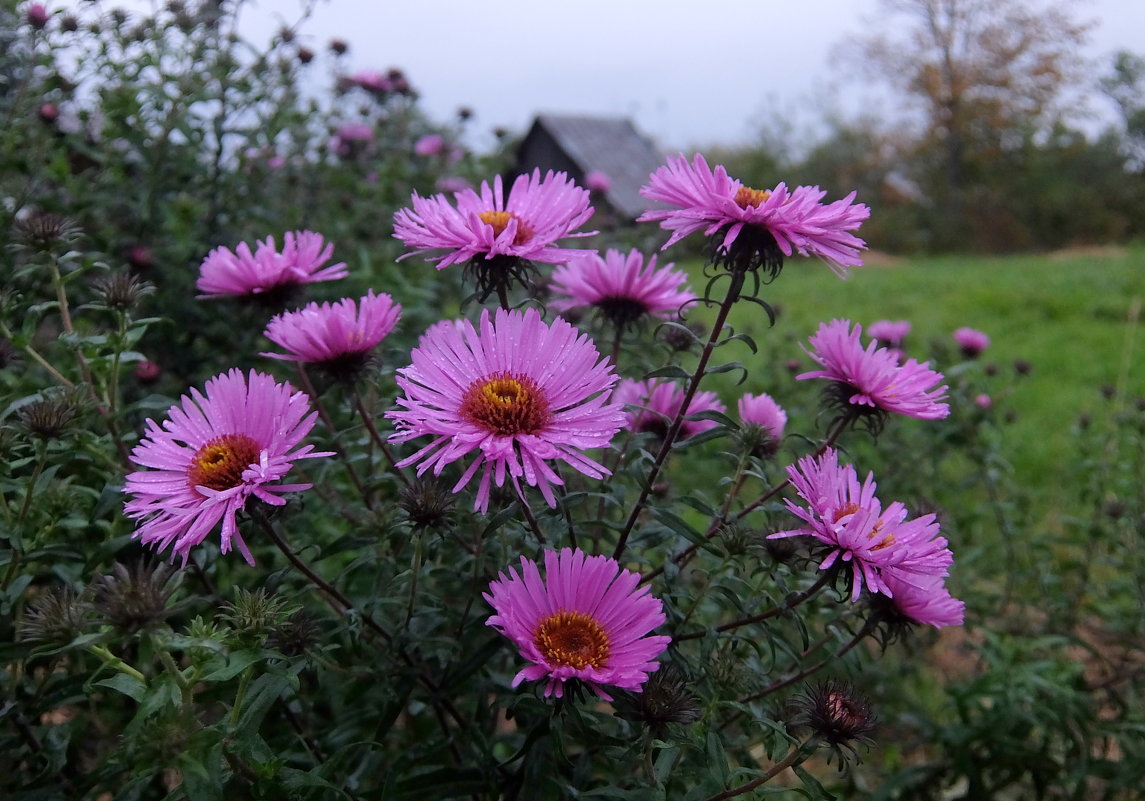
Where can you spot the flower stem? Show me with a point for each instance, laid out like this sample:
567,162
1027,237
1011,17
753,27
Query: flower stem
792,758
113,661
240,695
737,281
377,438
320,407
324,586
789,603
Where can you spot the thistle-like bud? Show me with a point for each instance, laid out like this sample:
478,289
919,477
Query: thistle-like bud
69,23
122,291
428,504
666,698
839,716
682,341
255,614
134,598
294,636
339,46
45,231
305,55
56,617
50,416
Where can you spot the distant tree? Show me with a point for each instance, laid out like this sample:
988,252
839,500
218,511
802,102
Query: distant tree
987,75
1125,85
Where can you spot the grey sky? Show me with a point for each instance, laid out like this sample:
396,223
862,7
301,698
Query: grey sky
689,73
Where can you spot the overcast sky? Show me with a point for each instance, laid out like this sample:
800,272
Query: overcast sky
688,72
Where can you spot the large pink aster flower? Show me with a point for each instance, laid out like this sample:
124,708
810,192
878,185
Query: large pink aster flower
624,288
241,272
515,389
586,619
212,454
925,600
848,518
754,228
660,401
338,336
872,377
498,237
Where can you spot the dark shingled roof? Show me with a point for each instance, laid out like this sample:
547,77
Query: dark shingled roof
610,145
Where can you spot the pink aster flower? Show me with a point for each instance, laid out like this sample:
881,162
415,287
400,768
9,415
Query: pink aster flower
755,227
873,378
983,401
848,518
429,145
371,81
597,181
336,336
495,234
516,390
925,600
624,288
351,138
971,342
586,619
763,411
236,273
890,333
659,403
214,452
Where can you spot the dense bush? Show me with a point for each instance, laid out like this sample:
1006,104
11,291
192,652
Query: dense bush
357,634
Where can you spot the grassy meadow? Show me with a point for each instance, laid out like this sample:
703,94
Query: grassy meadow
1073,317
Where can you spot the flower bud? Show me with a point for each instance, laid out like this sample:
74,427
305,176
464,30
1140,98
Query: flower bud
838,716
135,598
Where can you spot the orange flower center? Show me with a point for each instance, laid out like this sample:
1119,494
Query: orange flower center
746,197
500,221
572,639
220,463
506,404
886,541
844,510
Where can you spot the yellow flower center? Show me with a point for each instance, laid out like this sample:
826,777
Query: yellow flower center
500,221
844,510
746,197
886,541
572,639
220,463
506,404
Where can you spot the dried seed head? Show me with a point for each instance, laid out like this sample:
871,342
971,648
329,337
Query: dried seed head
51,415
134,598
428,504
56,616
122,291
838,715
294,636
666,698
45,231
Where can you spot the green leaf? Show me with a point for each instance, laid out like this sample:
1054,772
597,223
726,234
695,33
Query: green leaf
128,685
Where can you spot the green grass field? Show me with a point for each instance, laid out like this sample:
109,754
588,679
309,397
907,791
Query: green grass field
1075,318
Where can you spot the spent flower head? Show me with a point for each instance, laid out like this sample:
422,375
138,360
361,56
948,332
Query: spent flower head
136,597
838,715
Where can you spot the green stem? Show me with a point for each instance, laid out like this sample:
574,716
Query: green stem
377,438
308,387
737,281
788,604
240,695
792,758
177,674
113,661
41,460
415,570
